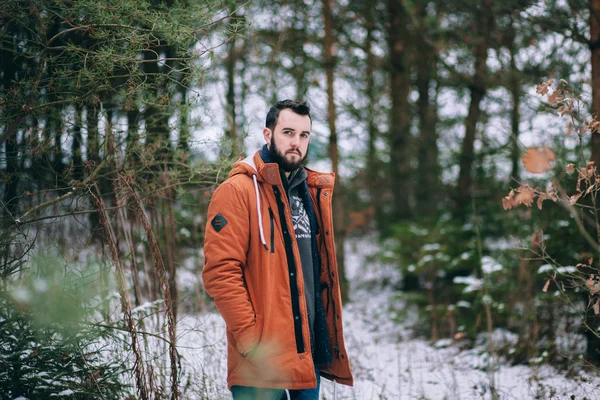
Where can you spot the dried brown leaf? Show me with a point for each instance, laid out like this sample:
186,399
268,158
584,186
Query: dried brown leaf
525,196
569,128
596,307
555,98
508,201
570,168
542,88
573,199
591,168
562,110
537,159
589,189
545,289
541,198
592,285
552,195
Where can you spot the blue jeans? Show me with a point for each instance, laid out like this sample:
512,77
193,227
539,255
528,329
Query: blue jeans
254,393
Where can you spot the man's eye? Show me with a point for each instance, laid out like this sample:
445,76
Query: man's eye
304,135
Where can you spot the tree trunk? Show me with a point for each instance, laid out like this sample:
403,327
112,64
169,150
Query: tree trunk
338,216
55,127
399,131
76,153
594,45
593,342
426,191
93,156
11,199
373,164
133,139
93,142
231,131
478,90
515,115
183,142
157,114
11,149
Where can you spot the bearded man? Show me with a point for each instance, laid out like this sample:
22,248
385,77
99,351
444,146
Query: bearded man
270,266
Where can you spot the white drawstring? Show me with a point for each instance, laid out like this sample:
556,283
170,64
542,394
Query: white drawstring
287,392
262,234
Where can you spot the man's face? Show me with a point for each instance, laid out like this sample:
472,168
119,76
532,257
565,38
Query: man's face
288,143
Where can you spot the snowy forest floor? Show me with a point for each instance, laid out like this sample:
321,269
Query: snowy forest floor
387,362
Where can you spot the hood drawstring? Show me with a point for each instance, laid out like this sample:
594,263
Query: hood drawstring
262,233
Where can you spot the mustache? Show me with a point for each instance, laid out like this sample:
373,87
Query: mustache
294,151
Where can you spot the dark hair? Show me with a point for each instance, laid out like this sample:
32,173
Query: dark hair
299,107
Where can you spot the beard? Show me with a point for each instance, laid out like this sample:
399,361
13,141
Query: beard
278,157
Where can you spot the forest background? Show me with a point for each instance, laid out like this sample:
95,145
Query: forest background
119,118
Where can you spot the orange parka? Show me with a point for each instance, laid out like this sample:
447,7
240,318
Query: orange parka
246,272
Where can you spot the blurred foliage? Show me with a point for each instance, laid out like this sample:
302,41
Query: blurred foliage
53,339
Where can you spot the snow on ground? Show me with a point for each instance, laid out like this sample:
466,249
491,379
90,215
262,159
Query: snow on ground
387,363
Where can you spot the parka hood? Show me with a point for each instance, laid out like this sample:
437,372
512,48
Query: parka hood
258,165
268,172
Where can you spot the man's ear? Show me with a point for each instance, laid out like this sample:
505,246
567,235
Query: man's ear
267,135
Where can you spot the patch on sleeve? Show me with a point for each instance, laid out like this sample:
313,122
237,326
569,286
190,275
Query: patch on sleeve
218,222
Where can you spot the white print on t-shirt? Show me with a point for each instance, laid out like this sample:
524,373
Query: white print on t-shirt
300,220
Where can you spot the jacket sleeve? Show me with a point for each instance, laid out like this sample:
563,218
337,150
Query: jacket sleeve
224,260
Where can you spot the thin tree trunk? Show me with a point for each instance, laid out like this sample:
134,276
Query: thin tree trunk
515,115
93,142
157,115
333,146
55,123
93,156
230,64
478,90
426,194
133,139
594,45
171,242
373,174
297,47
399,131
76,153
231,112
593,342
10,198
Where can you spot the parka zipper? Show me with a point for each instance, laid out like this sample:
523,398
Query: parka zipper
336,347
271,218
292,272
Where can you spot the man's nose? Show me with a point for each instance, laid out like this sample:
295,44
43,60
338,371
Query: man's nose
294,141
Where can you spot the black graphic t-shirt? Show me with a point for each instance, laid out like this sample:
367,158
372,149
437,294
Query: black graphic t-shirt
302,230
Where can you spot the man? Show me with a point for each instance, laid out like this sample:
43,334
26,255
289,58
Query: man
270,266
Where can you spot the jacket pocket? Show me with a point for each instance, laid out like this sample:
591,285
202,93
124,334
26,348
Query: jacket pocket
272,219
247,343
